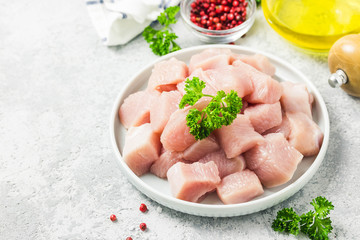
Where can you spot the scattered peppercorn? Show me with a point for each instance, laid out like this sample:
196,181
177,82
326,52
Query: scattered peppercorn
113,217
143,226
143,207
218,14
129,238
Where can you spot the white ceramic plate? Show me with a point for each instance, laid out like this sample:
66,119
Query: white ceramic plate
159,190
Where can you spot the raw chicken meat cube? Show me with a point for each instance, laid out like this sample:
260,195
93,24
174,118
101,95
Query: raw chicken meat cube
166,74
264,116
283,128
230,78
211,63
225,165
211,52
238,137
258,61
135,110
176,134
239,187
210,59
200,148
305,134
274,161
141,149
266,89
191,181
161,109
166,160
203,77
296,98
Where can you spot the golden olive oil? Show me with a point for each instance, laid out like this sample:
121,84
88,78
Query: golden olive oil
313,25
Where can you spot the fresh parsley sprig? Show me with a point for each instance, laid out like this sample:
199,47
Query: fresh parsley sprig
315,224
287,221
162,41
221,110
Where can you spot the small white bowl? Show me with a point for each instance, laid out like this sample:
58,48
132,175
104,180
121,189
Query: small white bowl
218,36
159,190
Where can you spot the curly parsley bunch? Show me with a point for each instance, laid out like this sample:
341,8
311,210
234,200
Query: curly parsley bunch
316,224
221,110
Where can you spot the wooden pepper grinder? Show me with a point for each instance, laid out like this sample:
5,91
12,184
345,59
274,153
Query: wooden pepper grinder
344,64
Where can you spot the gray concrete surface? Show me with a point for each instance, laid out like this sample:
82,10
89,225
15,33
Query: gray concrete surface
58,175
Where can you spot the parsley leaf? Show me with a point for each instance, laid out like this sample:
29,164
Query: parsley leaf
315,224
193,89
287,221
168,16
162,41
221,110
322,206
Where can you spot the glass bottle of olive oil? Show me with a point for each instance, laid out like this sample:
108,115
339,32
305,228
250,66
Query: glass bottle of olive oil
313,25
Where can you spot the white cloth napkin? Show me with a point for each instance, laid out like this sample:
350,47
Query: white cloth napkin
119,21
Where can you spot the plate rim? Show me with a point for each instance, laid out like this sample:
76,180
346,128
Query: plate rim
230,210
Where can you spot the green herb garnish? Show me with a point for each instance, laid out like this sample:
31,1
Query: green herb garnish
287,221
221,110
162,41
315,224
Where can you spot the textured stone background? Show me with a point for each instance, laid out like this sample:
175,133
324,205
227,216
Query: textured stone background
58,175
